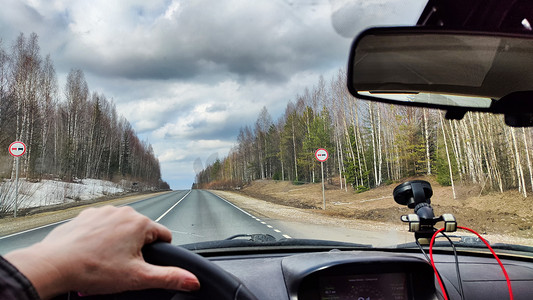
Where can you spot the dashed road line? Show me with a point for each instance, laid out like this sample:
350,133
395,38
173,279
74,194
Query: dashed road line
252,216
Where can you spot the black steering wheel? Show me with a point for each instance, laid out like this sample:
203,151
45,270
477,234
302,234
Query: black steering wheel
214,281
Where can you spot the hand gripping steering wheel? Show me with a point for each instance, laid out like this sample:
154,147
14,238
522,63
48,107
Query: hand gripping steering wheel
214,281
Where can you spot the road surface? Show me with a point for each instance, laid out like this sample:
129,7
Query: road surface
192,216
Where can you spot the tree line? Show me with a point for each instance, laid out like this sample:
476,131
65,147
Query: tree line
371,144
79,135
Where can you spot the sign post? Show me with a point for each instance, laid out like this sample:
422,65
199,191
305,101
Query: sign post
17,149
322,155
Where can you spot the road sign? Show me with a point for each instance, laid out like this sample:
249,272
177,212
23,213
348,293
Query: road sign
17,149
321,154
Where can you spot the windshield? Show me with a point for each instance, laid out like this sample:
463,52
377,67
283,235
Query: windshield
221,119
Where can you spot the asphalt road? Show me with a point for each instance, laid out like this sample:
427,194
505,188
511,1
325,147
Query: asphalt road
192,216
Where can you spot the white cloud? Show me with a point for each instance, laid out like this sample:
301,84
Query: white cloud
174,154
189,74
173,10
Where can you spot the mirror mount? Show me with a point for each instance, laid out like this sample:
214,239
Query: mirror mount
455,114
516,108
523,120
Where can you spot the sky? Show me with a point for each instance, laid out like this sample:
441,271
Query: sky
189,74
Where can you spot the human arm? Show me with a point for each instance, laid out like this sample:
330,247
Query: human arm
13,284
99,252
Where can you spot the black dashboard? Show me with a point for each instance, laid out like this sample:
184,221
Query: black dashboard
355,275
370,275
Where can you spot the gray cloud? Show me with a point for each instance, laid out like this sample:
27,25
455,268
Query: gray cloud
189,74
376,13
200,38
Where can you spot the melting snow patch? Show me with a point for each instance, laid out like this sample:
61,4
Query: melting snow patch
50,192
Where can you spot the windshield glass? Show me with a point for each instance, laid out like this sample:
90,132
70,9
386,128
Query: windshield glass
210,116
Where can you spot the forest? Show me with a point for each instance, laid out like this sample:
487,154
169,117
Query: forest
70,133
371,144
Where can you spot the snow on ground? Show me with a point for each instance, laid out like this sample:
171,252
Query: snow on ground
50,192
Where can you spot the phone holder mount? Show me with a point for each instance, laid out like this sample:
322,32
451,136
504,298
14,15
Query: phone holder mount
417,194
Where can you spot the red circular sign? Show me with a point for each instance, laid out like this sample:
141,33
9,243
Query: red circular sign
321,154
17,149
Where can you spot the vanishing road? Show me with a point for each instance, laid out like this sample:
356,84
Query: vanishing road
192,216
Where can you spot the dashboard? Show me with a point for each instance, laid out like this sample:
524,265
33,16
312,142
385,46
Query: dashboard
372,275
357,275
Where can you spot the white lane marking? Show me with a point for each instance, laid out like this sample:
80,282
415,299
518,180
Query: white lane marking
59,222
166,212
36,228
253,217
245,212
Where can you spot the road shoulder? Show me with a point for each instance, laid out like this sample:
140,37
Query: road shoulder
310,223
10,225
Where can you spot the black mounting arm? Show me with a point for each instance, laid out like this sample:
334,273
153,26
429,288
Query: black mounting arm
417,194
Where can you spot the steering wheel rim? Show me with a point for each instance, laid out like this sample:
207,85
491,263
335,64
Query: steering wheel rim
215,282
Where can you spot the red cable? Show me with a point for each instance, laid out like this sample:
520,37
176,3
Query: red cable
497,259
488,246
433,263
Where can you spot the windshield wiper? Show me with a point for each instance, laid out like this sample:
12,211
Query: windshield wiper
458,241
475,242
471,242
512,247
263,241
256,237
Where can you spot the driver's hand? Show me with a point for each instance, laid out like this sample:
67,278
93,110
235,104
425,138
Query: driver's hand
99,252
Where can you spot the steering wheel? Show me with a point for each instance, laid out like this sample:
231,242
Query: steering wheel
215,283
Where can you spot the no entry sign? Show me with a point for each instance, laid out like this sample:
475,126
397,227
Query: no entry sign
321,154
17,149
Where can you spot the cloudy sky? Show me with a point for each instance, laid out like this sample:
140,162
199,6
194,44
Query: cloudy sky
189,74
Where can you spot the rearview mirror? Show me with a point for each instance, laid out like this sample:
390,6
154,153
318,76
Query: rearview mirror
457,71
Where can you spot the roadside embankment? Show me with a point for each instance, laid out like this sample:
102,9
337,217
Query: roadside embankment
500,217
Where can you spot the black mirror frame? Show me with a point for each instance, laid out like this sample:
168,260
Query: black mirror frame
451,110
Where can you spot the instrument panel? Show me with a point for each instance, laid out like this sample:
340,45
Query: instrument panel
364,287
363,276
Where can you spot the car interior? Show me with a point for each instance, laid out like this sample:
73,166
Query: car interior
499,84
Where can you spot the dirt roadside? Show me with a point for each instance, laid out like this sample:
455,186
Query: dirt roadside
500,217
306,223
9,225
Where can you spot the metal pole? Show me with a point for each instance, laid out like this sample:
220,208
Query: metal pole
16,184
323,192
